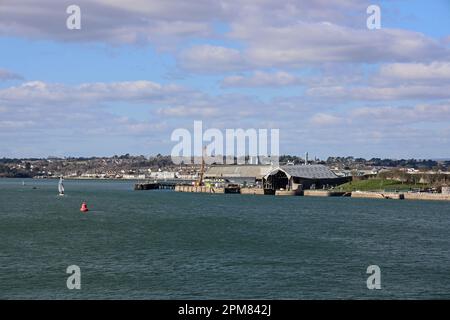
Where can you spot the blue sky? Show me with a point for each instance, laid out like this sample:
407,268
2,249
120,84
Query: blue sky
137,71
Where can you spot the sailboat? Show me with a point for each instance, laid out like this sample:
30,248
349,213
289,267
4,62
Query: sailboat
61,187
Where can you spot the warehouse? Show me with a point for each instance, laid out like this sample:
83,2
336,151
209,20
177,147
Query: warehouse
288,177
295,177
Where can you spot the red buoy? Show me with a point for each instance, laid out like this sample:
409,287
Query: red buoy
84,207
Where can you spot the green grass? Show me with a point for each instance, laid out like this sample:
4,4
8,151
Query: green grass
378,185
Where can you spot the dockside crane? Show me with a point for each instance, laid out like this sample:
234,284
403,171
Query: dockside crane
199,181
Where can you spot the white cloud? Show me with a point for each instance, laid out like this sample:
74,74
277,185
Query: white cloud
402,92
38,92
78,116
427,113
391,131
262,79
324,119
189,111
271,33
173,10
209,58
435,72
134,21
302,43
158,22
264,43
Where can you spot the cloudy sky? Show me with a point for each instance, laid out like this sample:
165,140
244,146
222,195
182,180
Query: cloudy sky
139,69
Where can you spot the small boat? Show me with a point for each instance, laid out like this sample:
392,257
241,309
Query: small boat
61,187
232,188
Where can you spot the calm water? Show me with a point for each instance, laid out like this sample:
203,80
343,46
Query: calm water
167,245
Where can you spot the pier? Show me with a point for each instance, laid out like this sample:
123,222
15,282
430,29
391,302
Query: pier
198,189
236,189
378,195
325,193
320,193
260,191
159,185
146,186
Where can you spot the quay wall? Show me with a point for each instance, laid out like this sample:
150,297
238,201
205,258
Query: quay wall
323,193
199,189
427,196
406,195
377,195
259,191
286,193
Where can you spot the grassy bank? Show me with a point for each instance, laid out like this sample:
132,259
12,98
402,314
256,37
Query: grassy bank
378,185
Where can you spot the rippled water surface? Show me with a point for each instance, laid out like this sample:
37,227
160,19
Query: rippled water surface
168,245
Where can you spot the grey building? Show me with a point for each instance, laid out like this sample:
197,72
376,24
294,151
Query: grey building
272,178
240,174
300,177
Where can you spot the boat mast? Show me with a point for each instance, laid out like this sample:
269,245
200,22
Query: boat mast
202,169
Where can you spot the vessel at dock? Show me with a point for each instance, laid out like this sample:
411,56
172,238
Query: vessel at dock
146,186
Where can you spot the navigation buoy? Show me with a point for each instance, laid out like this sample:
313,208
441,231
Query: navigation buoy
84,207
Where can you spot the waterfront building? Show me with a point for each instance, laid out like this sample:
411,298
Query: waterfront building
272,178
250,175
300,177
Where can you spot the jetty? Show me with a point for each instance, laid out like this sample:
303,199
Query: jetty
378,195
199,189
146,186
290,180
235,189
316,193
325,193
159,184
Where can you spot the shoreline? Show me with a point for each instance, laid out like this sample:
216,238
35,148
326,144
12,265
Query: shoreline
367,194
376,194
72,178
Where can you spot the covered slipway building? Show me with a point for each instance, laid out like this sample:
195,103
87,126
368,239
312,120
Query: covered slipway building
272,178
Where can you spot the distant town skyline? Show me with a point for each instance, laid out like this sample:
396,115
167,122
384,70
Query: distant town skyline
138,70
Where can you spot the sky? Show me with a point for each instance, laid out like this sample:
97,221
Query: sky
137,70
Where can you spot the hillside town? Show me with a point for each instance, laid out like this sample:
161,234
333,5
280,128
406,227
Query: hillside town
161,167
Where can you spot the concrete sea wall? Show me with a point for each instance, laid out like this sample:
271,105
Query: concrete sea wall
377,195
427,196
322,193
199,189
259,191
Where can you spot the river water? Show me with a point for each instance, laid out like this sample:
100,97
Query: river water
168,245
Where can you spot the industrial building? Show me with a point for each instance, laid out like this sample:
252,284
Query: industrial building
295,177
250,175
272,178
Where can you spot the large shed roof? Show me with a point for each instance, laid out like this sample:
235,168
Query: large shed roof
315,171
238,171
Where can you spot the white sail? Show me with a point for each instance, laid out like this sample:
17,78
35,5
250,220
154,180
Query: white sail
61,186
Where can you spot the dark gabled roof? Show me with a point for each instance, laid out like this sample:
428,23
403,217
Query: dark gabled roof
315,171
